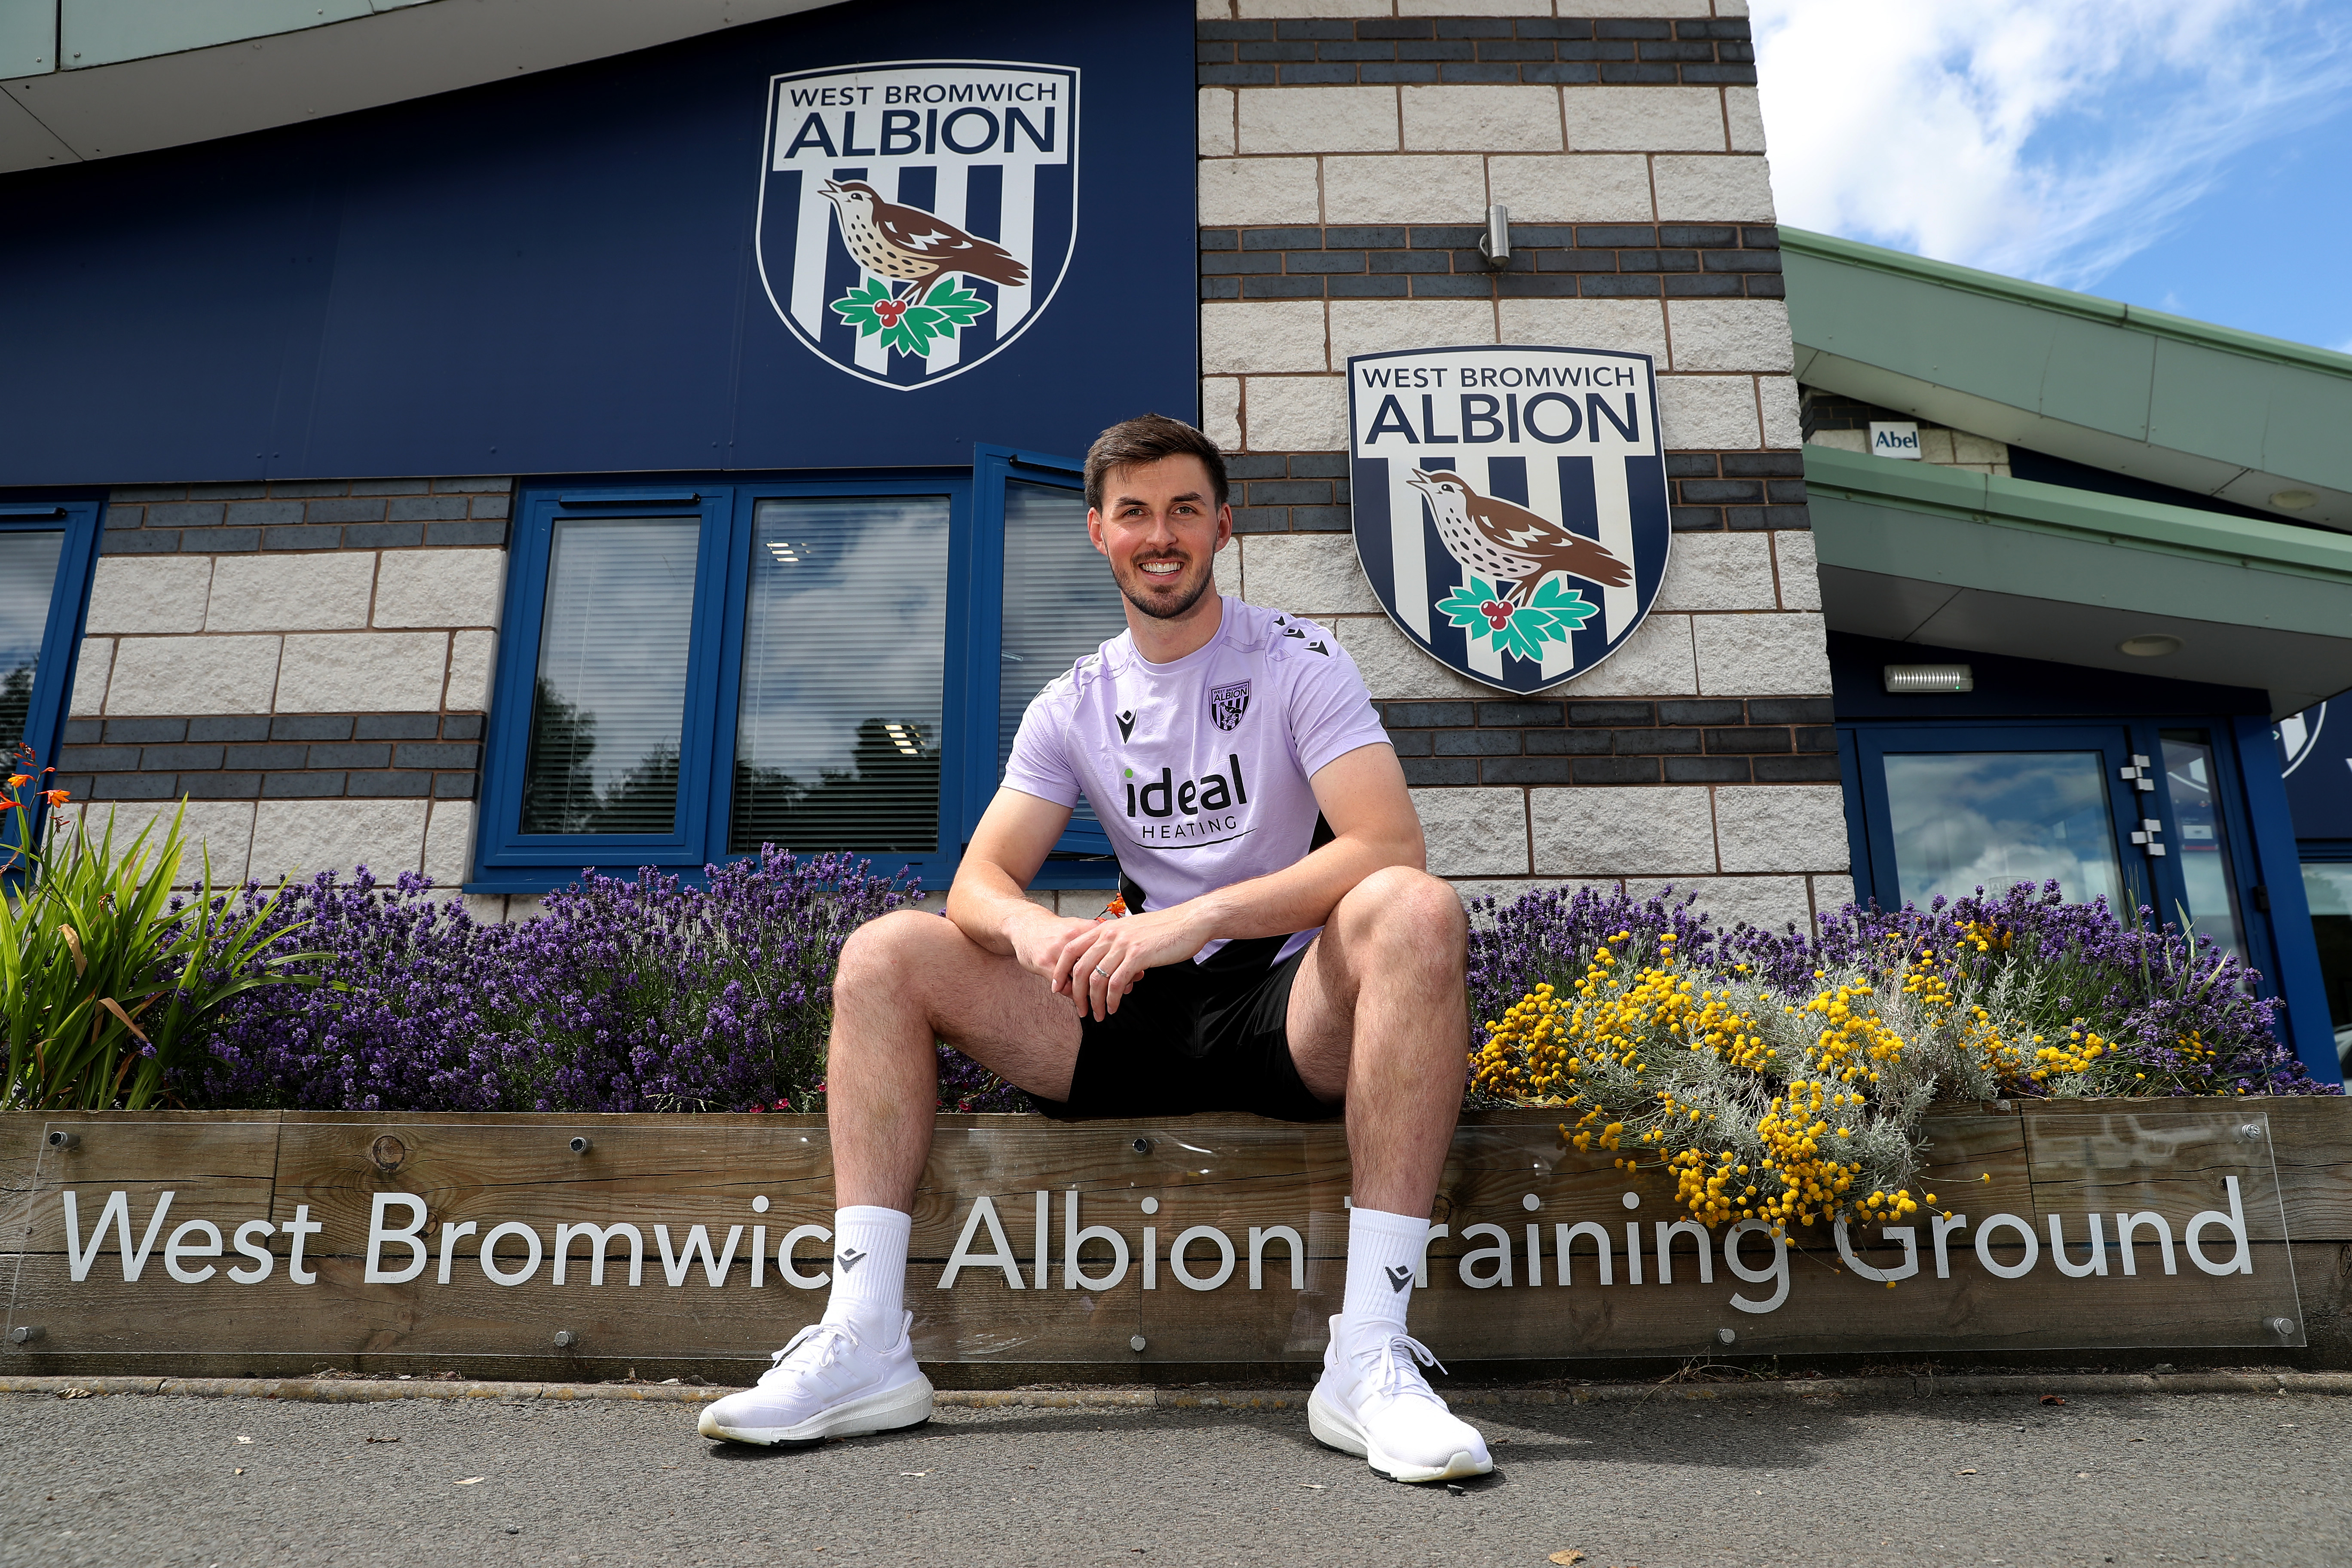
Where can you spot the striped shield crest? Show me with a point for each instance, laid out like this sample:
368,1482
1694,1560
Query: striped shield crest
916,216
1510,503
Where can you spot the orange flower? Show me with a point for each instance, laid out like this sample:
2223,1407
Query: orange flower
18,780
57,796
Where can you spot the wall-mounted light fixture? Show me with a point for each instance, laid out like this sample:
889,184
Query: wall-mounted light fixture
1494,244
1903,678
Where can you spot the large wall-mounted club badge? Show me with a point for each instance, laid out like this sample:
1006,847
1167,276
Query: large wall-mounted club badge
1510,503
915,216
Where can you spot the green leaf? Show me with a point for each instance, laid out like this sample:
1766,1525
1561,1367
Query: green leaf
1553,612
948,310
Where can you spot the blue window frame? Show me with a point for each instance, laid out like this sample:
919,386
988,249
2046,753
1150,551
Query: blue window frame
45,549
692,668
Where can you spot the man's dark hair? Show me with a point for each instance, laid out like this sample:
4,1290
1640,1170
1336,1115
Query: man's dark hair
1147,438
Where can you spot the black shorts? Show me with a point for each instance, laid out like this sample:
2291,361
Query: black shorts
1193,1037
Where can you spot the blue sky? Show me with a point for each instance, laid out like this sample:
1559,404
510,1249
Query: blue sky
2190,155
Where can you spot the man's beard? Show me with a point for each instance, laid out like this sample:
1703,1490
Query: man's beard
1164,610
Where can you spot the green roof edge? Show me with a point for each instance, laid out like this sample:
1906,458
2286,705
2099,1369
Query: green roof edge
2002,502
2041,296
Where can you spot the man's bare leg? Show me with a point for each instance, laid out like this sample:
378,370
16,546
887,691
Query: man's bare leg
906,980
1378,1014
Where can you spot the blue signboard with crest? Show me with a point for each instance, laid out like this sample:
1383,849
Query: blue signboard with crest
1510,503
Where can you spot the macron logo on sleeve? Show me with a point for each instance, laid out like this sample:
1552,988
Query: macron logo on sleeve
1126,725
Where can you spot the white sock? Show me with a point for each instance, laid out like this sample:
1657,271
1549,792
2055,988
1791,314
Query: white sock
869,1271
1384,1257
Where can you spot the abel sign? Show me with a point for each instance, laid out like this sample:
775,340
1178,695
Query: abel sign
1510,503
478,1241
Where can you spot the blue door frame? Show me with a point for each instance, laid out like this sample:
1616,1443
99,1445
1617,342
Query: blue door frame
79,519
2251,799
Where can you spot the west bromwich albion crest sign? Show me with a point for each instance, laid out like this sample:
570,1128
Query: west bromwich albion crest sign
1510,503
915,216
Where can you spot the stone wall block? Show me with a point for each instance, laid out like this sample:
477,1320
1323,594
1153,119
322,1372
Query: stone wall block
361,672
1295,413
1731,334
1784,419
1639,325
1586,188
1718,571
1227,567
1655,661
1252,9
299,838
1666,830
324,591
1317,120
1235,191
1708,412
221,830
1482,119
1375,326
1425,188
449,842
1645,8
1215,119
149,593
1310,575
1781,828
1474,832
440,588
1221,410
92,665
1771,902
472,655
1392,668
1644,119
1780,654
1734,188
1800,572
176,675
1831,894
1262,335
1746,115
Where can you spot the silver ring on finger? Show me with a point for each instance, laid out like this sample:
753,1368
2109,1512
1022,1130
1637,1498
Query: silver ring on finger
1101,971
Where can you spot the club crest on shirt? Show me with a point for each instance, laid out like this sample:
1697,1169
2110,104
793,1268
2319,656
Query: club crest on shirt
1228,703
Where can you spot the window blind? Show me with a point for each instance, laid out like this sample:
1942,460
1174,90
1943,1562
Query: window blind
1060,604
610,699
28,575
838,734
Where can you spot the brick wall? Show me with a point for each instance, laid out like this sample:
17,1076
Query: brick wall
309,663
1346,164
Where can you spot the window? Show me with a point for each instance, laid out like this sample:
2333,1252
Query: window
2120,810
834,664
45,557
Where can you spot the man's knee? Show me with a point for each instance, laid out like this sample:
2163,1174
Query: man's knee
891,950
1417,912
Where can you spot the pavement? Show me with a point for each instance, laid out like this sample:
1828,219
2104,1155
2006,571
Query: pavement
1635,1476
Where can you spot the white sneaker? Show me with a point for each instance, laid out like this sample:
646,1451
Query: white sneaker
1373,1402
827,1382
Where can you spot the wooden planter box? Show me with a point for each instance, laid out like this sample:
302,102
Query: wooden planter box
1258,1208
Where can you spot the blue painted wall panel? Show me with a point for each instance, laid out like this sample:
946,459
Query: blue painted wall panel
557,275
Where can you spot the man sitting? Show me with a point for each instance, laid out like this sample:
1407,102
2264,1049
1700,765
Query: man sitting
1286,954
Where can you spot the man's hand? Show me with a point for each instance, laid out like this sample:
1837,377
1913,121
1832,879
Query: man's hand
1101,962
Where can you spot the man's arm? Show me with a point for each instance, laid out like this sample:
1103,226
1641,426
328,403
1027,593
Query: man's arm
1014,835
1362,796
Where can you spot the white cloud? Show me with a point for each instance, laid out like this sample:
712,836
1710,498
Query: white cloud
2049,139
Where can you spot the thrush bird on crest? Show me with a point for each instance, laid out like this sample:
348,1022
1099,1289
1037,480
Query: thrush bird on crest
905,243
1516,547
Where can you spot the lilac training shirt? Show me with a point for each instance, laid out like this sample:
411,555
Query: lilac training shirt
1199,768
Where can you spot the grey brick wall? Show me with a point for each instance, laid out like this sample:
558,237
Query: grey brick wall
1329,51
304,514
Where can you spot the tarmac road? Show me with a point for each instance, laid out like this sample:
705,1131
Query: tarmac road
2000,1479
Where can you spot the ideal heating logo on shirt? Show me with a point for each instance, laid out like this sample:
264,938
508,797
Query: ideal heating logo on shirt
1166,798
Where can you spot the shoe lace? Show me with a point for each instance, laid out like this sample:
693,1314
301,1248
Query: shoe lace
1392,1363
824,1342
